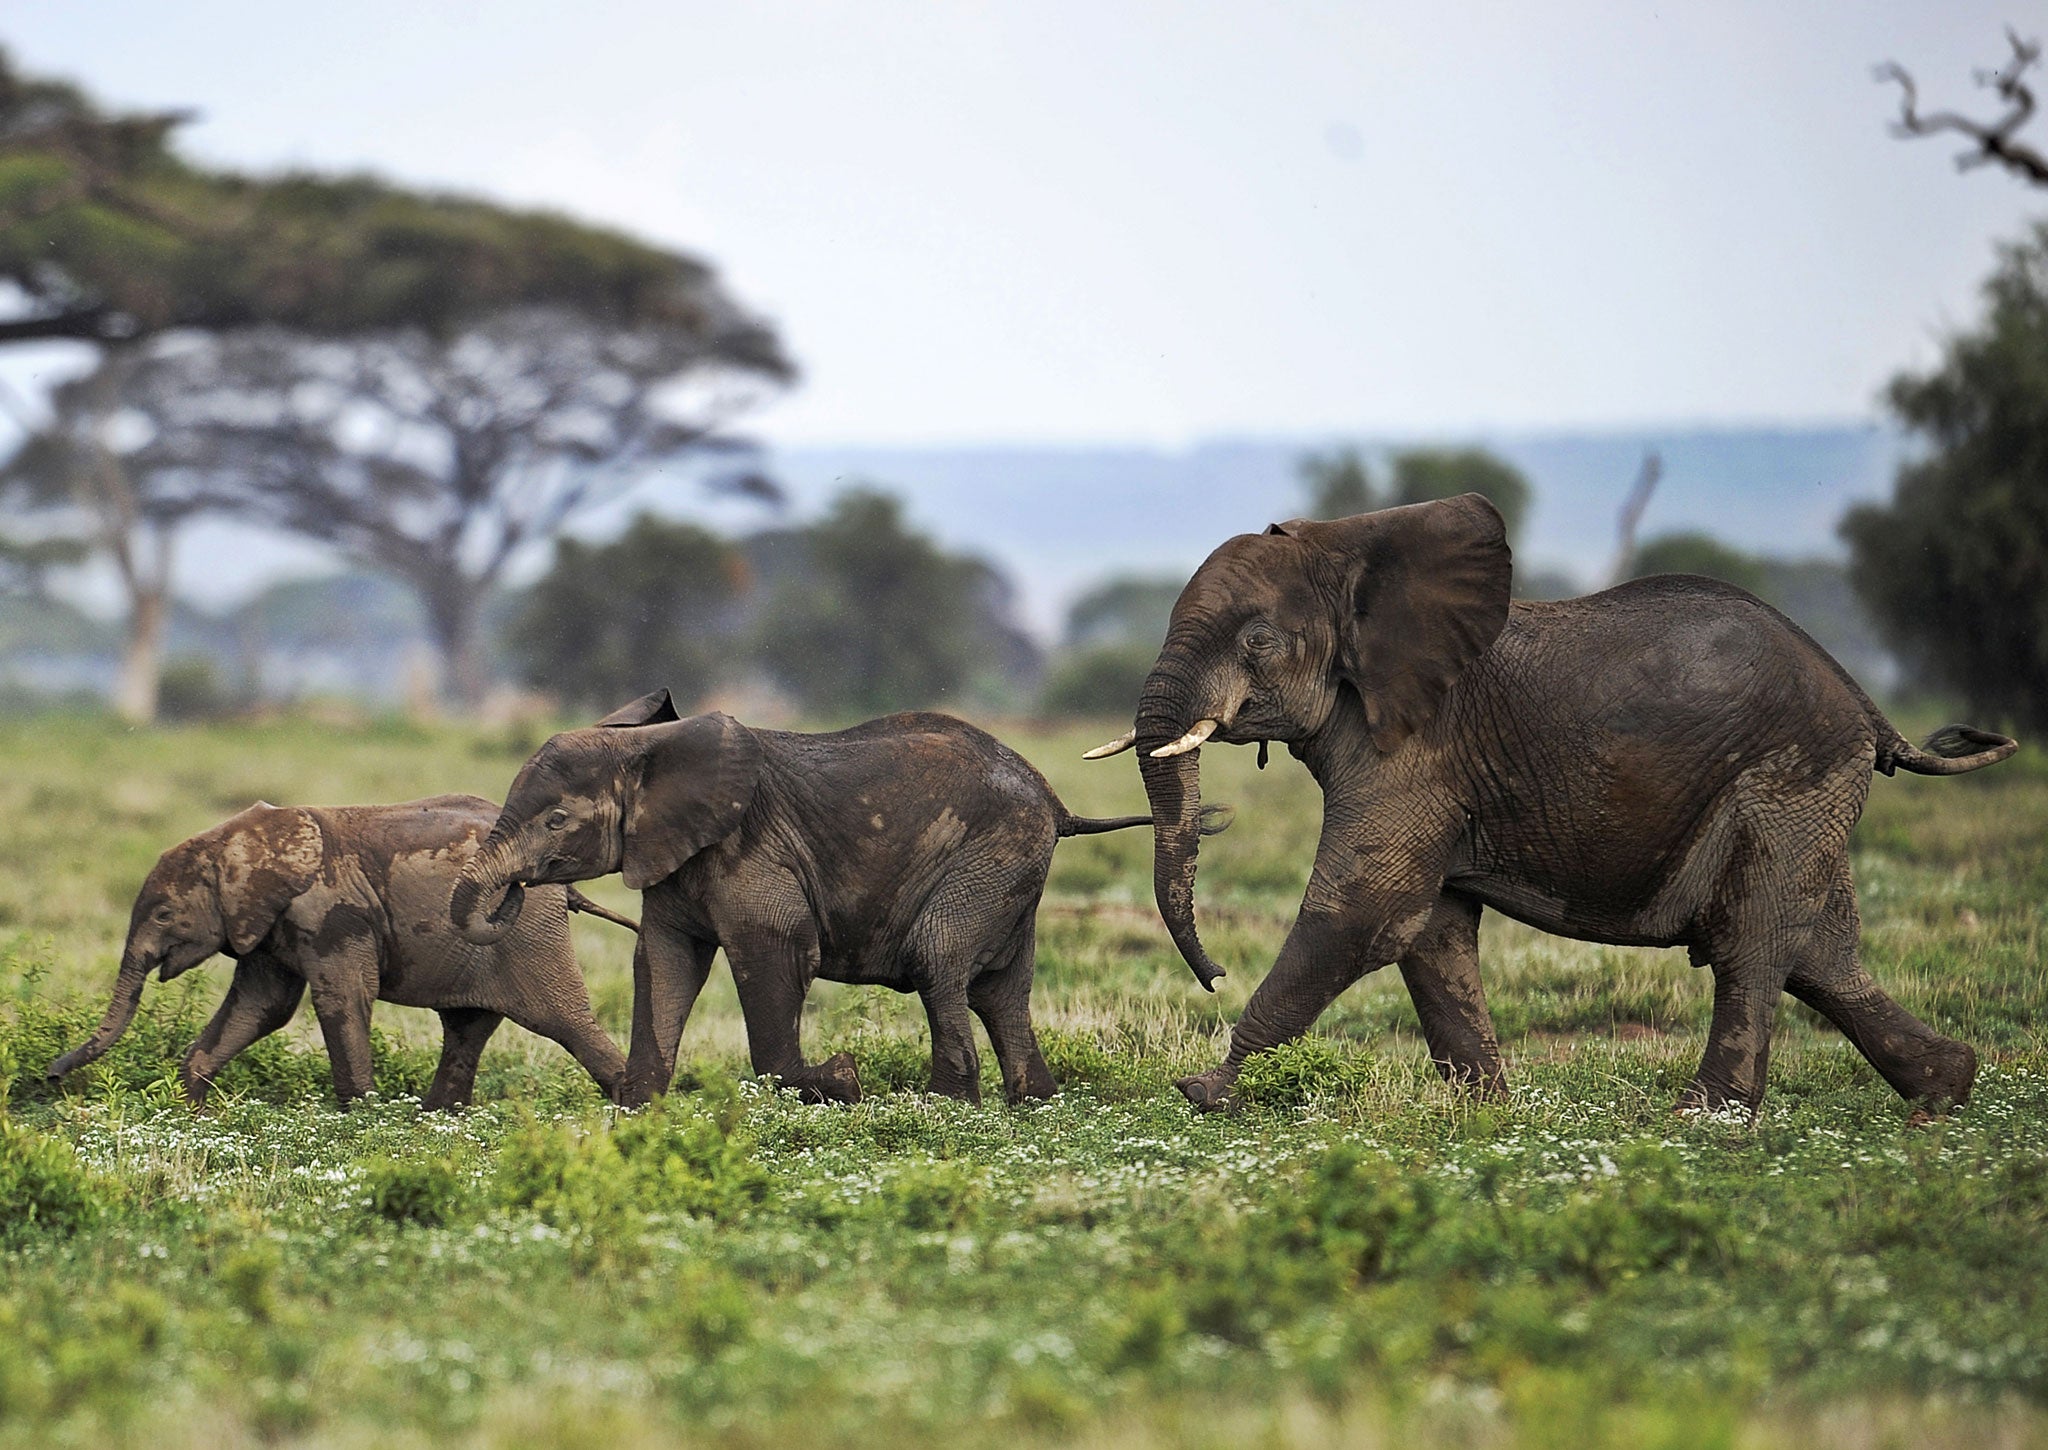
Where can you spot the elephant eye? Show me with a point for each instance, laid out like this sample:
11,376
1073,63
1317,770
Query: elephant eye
1262,638
557,820
162,913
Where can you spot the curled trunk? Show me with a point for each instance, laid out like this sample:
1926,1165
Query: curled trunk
487,898
1174,788
120,1012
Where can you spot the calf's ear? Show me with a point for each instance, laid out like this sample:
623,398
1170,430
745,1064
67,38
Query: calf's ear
268,855
687,785
653,708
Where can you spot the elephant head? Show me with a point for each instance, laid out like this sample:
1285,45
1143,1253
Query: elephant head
640,792
1274,628
222,890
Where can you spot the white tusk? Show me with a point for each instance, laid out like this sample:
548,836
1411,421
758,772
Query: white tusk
1202,731
1117,746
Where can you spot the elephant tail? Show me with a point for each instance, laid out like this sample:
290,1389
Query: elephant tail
1951,750
1215,820
579,902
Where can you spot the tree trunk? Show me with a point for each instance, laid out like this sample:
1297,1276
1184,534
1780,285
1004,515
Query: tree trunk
454,603
135,692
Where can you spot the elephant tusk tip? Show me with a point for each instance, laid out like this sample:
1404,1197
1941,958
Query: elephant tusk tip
1190,741
1115,747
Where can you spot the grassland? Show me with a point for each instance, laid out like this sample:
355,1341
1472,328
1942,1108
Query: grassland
1362,1257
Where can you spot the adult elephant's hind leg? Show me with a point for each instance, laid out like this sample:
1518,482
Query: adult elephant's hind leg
1442,973
1924,1067
464,1032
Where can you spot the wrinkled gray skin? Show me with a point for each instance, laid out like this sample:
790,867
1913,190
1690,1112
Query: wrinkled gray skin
350,902
909,852
1668,763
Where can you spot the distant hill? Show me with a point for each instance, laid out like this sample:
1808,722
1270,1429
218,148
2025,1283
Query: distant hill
1062,518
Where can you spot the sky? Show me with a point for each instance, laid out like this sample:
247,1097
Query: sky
1155,223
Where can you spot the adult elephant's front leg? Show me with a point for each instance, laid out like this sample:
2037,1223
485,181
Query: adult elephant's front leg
1325,953
1442,973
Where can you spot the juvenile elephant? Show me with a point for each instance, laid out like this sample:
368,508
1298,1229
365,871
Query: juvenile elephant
351,901
1668,763
909,852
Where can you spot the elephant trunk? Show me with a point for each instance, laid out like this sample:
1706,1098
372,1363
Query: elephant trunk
135,966
1173,785
488,895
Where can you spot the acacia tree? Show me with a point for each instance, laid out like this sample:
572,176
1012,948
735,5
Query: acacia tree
1955,568
113,491
437,458
107,234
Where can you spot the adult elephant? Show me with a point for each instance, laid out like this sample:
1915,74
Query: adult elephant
1670,762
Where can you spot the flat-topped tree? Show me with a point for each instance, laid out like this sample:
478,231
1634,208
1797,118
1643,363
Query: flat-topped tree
107,233
429,382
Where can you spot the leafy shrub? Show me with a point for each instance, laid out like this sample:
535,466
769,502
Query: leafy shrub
1361,1216
929,1193
1297,1073
43,1188
1638,1221
425,1191
685,1154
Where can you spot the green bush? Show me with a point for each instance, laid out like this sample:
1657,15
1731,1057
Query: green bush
1296,1074
425,1191
43,1187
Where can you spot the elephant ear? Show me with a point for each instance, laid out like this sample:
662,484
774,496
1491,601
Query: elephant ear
654,708
268,856
1426,589
687,786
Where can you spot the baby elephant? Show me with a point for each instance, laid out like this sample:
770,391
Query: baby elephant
909,852
351,901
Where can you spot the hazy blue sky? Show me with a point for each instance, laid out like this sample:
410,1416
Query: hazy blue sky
1153,222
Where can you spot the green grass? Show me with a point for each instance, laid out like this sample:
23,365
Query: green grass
1361,1258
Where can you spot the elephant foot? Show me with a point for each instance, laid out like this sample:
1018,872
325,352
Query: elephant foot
1699,1098
835,1080
1038,1086
1211,1091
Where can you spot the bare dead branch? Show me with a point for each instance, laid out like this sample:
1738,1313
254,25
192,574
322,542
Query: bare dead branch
1994,138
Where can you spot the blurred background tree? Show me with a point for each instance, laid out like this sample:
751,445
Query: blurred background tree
1338,482
106,234
1112,635
867,615
611,621
1955,567
1692,552
116,486
437,457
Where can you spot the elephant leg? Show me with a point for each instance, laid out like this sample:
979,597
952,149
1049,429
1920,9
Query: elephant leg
1001,998
1732,1072
669,970
464,1031
1325,953
592,1046
344,985
773,970
956,1061
1923,1066
261,999
1442,973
